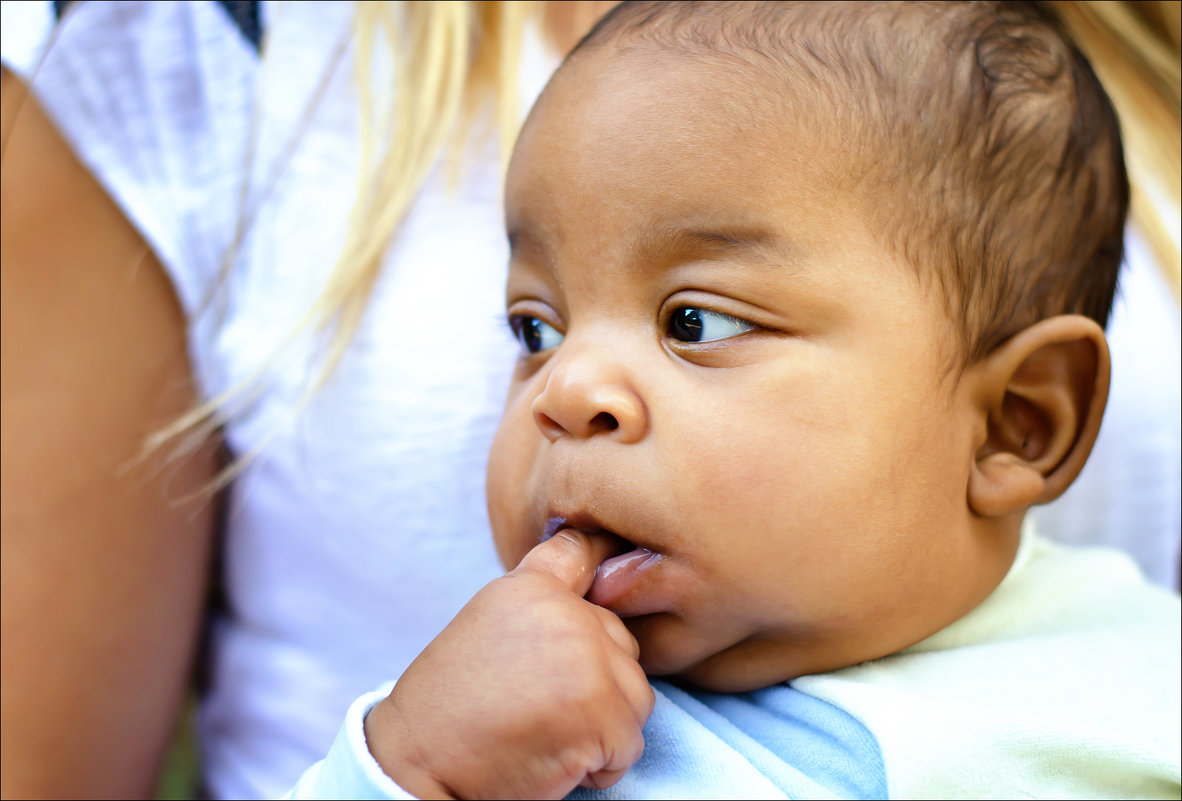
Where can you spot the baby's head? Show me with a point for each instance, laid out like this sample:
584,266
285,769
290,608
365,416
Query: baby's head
811,302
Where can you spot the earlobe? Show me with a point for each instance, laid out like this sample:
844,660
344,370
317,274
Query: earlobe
1002,483
1041,397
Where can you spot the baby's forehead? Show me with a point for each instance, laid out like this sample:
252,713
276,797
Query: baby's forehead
665,165
738,99
693,145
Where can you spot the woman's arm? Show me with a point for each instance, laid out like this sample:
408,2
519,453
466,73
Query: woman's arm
104,568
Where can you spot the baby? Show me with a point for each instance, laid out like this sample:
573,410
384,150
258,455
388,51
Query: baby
811,302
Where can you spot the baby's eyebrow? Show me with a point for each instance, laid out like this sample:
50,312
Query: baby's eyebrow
677,243
671,243
675,238
524,237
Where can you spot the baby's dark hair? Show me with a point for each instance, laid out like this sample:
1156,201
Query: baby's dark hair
988,147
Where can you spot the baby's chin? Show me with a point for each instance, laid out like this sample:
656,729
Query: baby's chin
750,665
741,667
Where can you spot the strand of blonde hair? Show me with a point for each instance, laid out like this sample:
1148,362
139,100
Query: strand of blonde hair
449,60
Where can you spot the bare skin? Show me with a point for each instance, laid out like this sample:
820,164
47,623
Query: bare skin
566,22
104,572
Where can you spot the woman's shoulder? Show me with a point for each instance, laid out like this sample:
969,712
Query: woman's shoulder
170,107
154,99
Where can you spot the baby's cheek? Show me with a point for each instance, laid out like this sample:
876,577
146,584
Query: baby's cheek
505,527
508,489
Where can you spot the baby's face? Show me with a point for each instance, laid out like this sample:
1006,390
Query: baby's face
723,367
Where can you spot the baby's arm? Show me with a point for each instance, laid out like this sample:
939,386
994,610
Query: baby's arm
529,691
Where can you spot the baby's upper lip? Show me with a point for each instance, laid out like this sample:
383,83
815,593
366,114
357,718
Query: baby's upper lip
584,521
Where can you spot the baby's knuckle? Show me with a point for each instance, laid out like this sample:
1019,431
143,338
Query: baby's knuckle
592,692
650,699
636,746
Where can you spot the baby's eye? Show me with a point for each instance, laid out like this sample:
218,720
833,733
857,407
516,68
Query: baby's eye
701,325
533,334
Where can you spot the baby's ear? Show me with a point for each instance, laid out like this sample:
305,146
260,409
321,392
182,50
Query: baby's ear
1040,395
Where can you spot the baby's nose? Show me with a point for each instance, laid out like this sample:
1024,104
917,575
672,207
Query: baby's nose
588,394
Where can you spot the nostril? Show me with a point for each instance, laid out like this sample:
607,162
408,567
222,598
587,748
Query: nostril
604,422
549,426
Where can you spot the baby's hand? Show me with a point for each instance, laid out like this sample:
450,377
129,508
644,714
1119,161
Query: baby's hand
528,692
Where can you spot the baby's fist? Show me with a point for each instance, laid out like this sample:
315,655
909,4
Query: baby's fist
529,691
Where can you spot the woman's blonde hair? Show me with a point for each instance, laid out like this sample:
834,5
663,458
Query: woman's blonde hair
452,64
1134,49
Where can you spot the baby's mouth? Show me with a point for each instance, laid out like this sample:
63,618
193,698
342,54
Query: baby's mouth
616,576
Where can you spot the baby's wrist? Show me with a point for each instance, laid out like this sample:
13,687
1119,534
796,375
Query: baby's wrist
390,740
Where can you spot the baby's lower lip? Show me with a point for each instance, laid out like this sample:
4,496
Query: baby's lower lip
619,576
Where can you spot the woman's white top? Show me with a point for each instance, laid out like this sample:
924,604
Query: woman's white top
360,528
